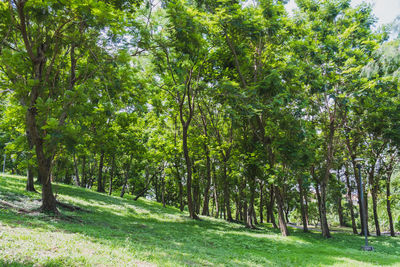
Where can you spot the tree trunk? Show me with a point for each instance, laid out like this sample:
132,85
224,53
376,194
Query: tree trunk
77,180
360,204
43,162
270,207
226,192
388,204
100,185
251,182
261,202
206,194
29,181
215,193
185,149
374,193
281,215
126,174
302,208
324,221
112,173
84,182
350,202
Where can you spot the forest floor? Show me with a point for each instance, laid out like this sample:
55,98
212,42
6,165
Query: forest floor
110,231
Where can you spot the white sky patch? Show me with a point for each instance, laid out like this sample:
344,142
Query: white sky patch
385,10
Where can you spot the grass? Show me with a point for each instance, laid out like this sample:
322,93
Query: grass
123,232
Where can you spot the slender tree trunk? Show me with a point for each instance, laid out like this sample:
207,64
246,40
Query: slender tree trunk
388,204
215,193
339,201
126,174
319,203
302,208
185,149
375,209
77,180
112,173
350,202
281,215
251,182
226,192
84,182
206,194
270,206
163,190
261,202
100,186
360,204
29,181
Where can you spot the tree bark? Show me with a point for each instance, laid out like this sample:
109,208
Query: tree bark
281,215
126,174
100,185
302,208
261,202
77,180
185,149
29,182
226,191
84,182
388,203
112,173
350,202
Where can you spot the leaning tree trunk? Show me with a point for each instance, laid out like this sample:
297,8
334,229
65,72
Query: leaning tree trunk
83,171
281,213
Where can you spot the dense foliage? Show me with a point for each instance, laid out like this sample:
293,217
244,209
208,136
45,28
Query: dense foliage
233,109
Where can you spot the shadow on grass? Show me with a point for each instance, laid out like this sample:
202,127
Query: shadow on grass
147,226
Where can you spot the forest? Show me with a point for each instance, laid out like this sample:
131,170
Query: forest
238,110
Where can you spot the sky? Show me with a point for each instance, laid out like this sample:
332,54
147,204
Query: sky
385,10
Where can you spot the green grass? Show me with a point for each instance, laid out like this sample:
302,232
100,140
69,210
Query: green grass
123,232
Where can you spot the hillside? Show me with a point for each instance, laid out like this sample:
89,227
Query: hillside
110,231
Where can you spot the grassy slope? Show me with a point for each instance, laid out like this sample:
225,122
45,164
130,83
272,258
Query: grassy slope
123,232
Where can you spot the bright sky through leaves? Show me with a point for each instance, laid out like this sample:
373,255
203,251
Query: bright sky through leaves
385,10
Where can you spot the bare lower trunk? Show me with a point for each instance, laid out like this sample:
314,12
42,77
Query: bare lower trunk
350,202
206,210
112,173
29,181
126,174
226,193
84,182
388,204
77,180
100,185
185,149
302,208
281,215
375,210
261,202
324,221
